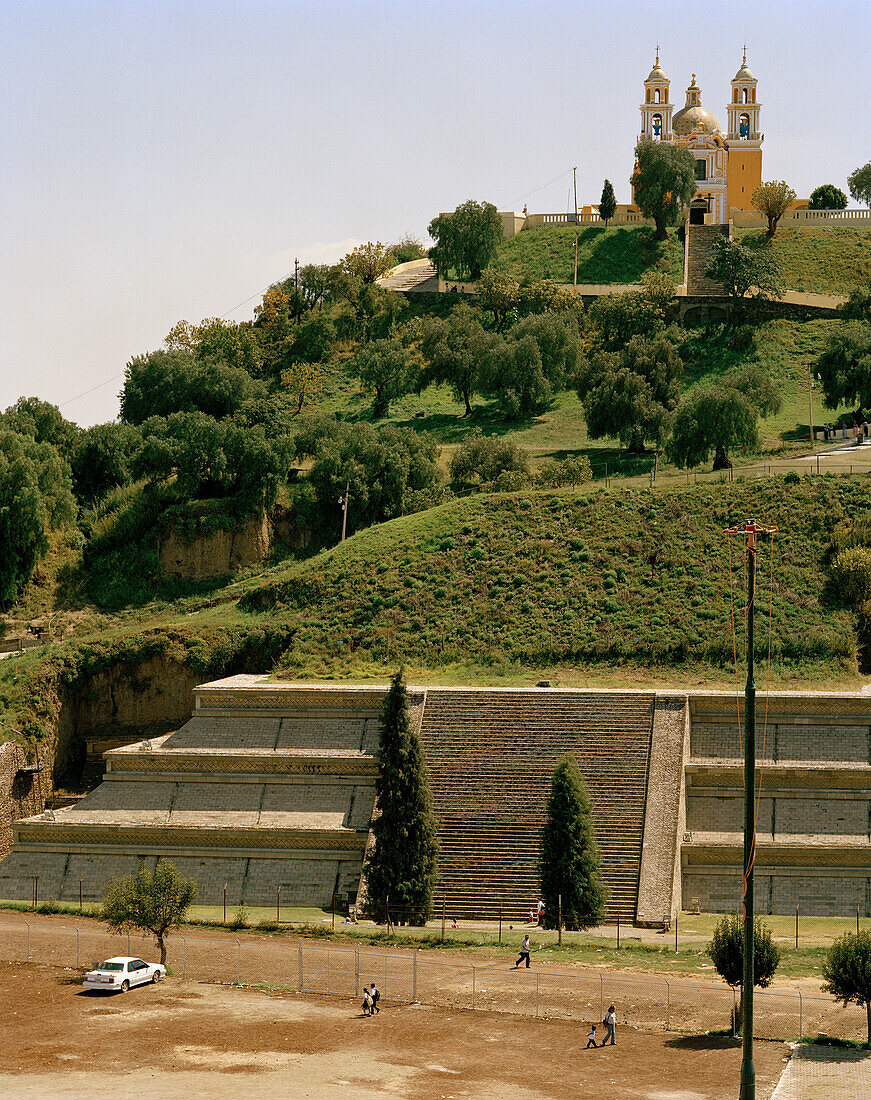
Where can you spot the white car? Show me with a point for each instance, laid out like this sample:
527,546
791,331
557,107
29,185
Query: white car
122,973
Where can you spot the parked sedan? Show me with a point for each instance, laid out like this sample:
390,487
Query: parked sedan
122,973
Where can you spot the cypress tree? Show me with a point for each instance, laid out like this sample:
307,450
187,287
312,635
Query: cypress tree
402,866
570,863
607,203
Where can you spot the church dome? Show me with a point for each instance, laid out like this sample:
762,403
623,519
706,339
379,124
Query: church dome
743,73
656,74
692,118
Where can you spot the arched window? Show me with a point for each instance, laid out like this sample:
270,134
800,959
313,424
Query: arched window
746,96
657,126
657,93
744,125
701,170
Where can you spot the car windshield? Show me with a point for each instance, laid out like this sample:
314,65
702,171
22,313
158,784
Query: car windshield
111,966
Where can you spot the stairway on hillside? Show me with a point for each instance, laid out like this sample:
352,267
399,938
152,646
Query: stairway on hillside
700,252
413,280
491,757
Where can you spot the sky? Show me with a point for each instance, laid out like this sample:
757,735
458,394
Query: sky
167,160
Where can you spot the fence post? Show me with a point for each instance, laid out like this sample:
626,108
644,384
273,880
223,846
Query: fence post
559,919
77,948
128,941
667,1005
278,905
800,1019
27,953
537,991
238,963
857,920
796,928
500,923
473,987
356,970
677,914
80,894
618,931
443,920
184,958
414,977
299,946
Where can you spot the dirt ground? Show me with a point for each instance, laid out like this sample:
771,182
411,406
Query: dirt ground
183,1038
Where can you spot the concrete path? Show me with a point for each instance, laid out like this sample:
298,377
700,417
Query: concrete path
825,1073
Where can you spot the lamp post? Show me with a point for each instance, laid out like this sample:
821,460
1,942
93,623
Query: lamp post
751,530
343,501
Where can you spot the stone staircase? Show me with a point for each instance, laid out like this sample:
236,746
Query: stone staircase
491,756
412,279
700,252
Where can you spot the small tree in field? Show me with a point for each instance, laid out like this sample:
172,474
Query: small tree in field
827,197
402,866
773,199
607,203
726,951
847,971
149,902
570,863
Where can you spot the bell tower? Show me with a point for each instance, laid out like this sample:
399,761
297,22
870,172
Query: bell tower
656,109
744,140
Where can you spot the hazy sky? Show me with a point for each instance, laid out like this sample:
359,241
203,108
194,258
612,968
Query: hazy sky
169,160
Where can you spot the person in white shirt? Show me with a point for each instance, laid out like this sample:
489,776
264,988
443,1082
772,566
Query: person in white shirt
610,1023
524,953
591,1038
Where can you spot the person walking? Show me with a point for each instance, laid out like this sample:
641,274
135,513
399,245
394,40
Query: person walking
591,1038
374,997
610,1023
367,1002
524,953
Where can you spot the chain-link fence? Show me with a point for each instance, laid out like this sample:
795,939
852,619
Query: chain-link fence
406,976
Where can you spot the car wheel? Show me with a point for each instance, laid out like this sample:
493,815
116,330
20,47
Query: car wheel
156,976
125,985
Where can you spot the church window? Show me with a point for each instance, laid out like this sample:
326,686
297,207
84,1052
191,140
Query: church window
701,170
746,96
657,93
744,126
657,126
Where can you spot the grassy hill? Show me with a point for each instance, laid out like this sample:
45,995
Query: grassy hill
823,259
619,254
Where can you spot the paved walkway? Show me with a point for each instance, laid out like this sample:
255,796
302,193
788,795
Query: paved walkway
825,1073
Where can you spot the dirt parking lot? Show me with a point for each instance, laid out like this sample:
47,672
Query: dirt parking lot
186,1039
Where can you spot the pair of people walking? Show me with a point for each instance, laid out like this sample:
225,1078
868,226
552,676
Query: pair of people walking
610,1022
371,997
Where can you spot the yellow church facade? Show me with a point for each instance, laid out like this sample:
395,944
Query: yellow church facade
728,164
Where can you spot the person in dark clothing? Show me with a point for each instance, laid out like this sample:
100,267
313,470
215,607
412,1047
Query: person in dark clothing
374,997
591,1038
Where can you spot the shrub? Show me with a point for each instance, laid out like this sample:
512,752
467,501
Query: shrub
480,460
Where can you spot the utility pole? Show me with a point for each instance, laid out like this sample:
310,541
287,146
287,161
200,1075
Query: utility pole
575,181
750,531
344,503
810,402
295,274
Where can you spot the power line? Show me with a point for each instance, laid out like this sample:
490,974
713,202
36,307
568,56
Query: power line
543,186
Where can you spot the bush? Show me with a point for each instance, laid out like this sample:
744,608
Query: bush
575,470
851,574
480,461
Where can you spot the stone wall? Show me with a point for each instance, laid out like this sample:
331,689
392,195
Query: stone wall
216,554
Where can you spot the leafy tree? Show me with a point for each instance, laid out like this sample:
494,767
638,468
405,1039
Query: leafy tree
613,319
630,394
663,182
569,863
384,367
575,470
35,497
546,296
304,382
607,203
368,261
773,199
500,294
859,183
315,282
726,952
844,368
43,422
312,339
102,459
722,418
518,379
386,469
858,305
407,248
739,268
489,462
154,902
164,382
827,197
401,870
456,350
847,972
466,241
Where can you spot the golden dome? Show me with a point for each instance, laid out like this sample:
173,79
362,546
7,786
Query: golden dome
743,73
694,116
656,74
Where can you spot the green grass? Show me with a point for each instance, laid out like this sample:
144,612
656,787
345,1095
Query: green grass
818,259
615,255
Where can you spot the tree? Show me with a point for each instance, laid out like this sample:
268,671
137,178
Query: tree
489,462
407,248
35,498
401,869
466,241
664,181
569,862
368,261
304,382
773,199
858,305
726,952
102,459
43,422
844,368
847,972
607,203
630,394
722,418
739,268
154,902
165,382
384,367
827,197
500,294
456,350
859,183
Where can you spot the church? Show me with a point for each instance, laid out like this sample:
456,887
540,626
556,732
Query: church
728,165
